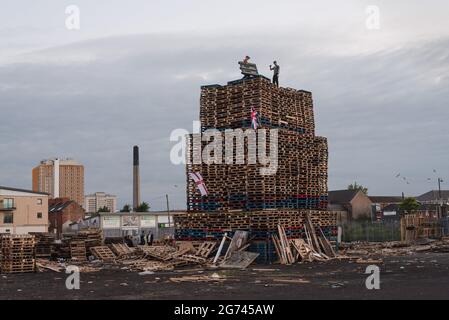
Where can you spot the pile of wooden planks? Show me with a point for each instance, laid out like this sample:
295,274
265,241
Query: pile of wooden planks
78,251
236,256
420,226
45,243
17,253
316,247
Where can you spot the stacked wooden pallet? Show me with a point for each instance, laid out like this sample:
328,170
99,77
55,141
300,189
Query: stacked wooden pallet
44,244
17,253
91,237
261,224
78,251
299,182
240,196
225,107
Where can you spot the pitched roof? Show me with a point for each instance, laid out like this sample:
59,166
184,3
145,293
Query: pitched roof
58,207
23,190
433,195
385,199
342,196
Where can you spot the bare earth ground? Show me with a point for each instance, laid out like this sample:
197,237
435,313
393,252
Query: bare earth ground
417,276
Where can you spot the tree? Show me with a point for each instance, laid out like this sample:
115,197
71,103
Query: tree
126,208
143,207
408,205
355,186
104,209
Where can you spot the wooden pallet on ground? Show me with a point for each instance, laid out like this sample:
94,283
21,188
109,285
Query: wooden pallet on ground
78,251
103,253
206,248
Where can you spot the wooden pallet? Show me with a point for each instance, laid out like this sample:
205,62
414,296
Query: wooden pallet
192,258
205,249
121,249
103,253
162,253
78,251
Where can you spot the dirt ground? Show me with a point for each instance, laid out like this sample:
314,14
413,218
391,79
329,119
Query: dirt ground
417,276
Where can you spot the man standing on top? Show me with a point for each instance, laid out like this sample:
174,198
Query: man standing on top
276,70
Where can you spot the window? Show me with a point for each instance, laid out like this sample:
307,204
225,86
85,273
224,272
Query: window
8,203
39,201
39,215
8,218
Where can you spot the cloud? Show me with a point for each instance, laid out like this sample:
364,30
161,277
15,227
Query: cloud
384,112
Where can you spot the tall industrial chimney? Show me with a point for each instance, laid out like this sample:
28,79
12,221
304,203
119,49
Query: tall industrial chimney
136,178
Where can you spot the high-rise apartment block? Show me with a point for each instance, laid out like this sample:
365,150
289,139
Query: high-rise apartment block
60,179
99,200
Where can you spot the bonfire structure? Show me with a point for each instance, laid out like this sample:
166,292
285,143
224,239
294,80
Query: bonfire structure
239,191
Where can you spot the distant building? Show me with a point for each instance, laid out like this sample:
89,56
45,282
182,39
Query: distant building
62,212
23,211
94,202
352,204
60,178
120,224
381,202
391,212
433,197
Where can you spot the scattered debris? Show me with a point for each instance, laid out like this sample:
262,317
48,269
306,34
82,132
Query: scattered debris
369,261
300,281
202,278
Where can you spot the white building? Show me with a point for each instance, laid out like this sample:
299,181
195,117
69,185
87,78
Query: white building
94,202
120,224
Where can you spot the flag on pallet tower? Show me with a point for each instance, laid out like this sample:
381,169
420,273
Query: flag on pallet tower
199,181
254,118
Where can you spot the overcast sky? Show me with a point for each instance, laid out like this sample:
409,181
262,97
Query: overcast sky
132,73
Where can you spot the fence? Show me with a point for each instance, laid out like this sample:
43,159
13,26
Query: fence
371,231
383,231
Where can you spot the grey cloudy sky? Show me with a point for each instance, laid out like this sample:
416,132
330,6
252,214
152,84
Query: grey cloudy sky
133,72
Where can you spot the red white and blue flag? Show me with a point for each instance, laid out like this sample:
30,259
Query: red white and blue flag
199,181
254,119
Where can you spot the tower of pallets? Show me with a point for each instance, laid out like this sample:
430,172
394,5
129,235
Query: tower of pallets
240,198
17,253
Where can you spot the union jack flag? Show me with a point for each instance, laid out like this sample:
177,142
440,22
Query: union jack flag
254,119
199,181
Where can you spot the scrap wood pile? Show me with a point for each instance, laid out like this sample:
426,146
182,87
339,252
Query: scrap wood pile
17,253
44,244
394,248
161,257
316,247
200,253
91,237
71,245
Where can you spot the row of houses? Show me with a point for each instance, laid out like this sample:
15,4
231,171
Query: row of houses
355,205
24,211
